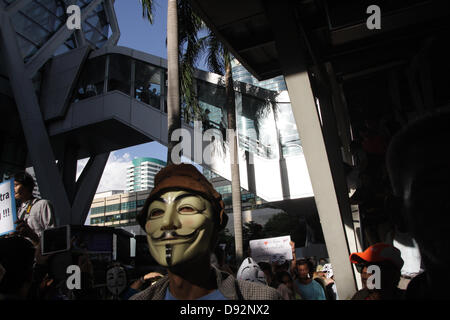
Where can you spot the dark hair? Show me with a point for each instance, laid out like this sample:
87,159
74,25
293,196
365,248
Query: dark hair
17,257
281,274
265,266
308,263
25,179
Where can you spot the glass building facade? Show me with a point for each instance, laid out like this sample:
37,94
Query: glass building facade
241,74
40,32
39,20
141,174
248,200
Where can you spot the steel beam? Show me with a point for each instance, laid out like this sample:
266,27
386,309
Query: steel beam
16,6
39,148
86,187
48,49
112,19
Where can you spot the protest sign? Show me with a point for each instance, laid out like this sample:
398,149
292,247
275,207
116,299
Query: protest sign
271,249
7,207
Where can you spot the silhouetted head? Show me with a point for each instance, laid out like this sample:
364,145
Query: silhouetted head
386,257
23,186
17,258
418,166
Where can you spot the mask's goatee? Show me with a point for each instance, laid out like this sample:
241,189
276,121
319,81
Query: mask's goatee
169,255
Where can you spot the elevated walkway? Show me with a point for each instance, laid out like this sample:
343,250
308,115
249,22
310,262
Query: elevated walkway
116,98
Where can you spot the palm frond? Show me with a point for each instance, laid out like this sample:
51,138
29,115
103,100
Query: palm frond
190,49
148,7
215,54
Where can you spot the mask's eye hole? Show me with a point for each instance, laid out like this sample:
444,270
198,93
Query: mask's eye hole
155,213
186,209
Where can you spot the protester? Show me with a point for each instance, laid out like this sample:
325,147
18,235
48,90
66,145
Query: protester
34,215
388,259
220,260
182,218
250,271
280,264
16,259
286,285
417,163
306,287
268,274
330,286
319,277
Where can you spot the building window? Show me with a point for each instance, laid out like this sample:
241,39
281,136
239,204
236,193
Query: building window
91,79
147,84
112,207
128,205
119,77
98,210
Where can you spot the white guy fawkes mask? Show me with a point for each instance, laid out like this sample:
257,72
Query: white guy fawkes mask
179,227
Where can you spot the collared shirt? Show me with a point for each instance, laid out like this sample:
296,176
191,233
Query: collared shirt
38,213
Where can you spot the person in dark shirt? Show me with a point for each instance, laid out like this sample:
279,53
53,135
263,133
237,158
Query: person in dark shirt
418,166
388,263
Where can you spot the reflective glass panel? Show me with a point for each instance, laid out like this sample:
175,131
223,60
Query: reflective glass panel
119,73
91,80
256,126
289,138
213,98
147,84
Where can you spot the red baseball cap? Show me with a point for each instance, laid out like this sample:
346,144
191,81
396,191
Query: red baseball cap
379,252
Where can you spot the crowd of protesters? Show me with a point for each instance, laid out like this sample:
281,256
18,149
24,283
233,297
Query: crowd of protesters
419,179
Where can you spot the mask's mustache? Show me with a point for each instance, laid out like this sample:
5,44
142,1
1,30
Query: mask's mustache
173,235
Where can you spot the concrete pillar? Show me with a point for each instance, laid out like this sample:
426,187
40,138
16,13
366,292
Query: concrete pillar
326,191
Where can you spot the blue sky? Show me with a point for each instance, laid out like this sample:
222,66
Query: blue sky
136,33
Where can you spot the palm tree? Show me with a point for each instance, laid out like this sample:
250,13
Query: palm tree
219,61
182,49
190,48
173,87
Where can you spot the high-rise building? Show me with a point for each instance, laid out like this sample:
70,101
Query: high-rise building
141,174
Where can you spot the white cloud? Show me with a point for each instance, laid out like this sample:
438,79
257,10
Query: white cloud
114,175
